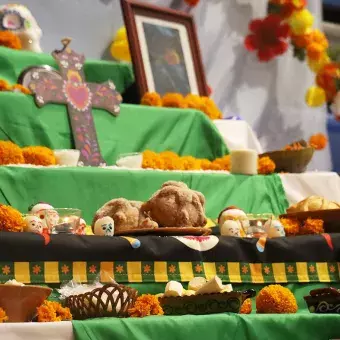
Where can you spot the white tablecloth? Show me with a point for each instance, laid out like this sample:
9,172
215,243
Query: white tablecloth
300,186
237,134
37,331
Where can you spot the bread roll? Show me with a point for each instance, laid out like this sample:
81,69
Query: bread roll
313,203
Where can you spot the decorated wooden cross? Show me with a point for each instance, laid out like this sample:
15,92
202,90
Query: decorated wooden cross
71,89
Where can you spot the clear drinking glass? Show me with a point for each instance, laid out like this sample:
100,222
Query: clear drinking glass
63,220
258,225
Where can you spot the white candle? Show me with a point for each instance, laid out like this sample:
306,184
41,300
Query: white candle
244,162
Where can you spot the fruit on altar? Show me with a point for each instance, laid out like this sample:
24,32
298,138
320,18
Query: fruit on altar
176,205
127,215
232,222
104,226
313,203
33,224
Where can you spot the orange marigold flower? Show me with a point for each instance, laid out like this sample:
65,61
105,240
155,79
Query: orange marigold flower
246,307
312,226
223,163
192,3
51,311
318,141
291,226
205,164
210,109
10,40
174,100
151,99
275,299
10,153
20,88
39,155
4,86
191,163
3,316
11,219
294,146
194,101
301,41
326,79
146,305
266,166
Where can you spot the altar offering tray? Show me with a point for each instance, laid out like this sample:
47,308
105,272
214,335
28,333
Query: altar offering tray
205,303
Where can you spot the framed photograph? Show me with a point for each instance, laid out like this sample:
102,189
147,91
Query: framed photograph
164,50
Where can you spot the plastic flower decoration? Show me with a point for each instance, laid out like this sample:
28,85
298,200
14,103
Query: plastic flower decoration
192,3
120,46
268,37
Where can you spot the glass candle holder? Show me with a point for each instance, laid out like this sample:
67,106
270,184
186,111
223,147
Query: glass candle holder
258,225
63,220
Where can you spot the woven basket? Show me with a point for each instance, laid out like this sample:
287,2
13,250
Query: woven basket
293,161
111,300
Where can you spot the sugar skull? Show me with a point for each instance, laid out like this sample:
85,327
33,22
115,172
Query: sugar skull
81,228
19,20
231,228
104,226
33,224
46,213
232,222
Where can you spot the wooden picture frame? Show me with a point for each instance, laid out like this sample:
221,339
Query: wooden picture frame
164,50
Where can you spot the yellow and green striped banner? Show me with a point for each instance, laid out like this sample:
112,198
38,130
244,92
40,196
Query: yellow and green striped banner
160,271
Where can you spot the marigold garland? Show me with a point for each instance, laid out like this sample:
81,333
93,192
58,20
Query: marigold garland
51,311
275,299
191,101
169,160
6,87
10,153
3,316
10,40
146,305
290,19
151,99
318,141
246,307
294,227
39,155
11,219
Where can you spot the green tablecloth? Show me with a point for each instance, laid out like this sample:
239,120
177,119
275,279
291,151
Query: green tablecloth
300,326
89,188
13,62
137,128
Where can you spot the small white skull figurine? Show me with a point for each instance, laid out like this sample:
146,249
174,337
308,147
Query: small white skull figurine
33,224
81,228
46,213
19,20
104,226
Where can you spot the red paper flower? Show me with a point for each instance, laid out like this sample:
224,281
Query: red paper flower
192,3
268,37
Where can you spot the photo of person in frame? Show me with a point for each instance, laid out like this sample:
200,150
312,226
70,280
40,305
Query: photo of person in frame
166,59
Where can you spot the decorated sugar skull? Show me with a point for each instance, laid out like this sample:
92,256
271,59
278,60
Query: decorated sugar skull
232,222
81,228
104,226
19,20
33,224
274,229
46,213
